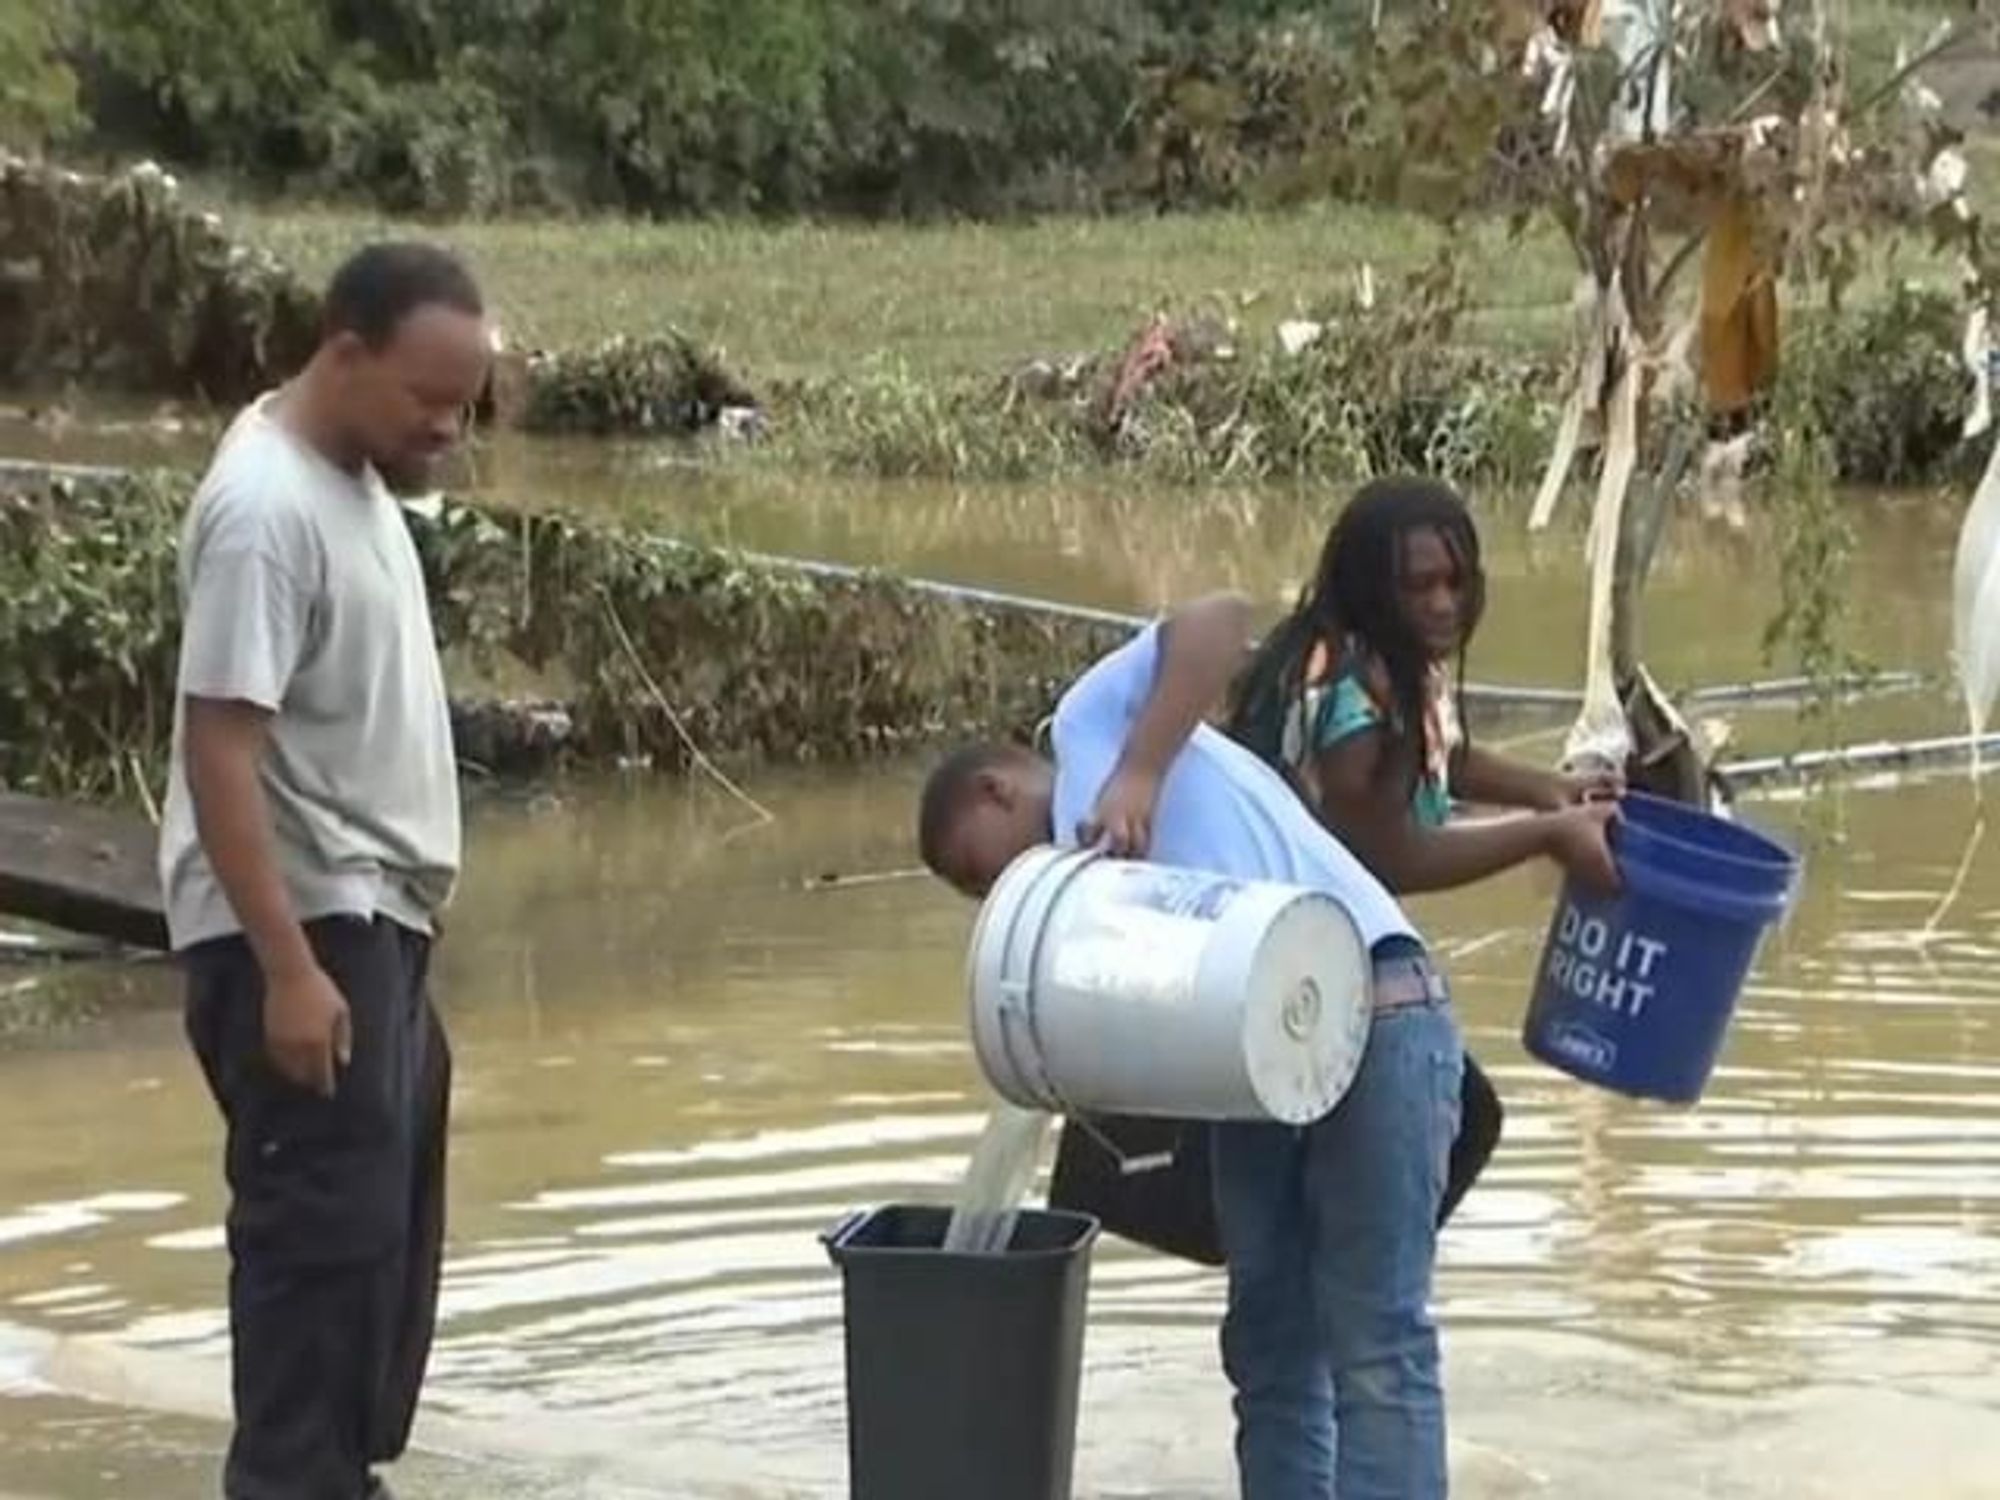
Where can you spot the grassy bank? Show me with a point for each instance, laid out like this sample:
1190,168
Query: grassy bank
813,301
981,351
817,301
886,350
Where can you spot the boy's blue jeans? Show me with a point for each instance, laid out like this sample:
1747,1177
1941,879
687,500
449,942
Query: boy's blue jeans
1330,1233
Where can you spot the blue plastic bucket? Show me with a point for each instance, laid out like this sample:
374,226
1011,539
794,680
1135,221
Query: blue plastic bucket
1635,992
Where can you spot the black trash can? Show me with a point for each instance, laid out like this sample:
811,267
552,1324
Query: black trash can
962,1370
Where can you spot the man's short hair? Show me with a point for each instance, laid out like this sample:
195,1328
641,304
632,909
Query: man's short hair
949,790
382,284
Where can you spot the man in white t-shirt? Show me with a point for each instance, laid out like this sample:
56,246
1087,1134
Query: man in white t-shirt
1329,1231
311,838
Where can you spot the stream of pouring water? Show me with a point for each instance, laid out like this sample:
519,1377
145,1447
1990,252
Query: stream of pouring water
997,1178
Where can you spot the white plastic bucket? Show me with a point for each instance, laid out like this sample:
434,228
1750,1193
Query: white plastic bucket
1116,987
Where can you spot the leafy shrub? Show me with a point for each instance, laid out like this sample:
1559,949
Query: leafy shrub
754,660
88,617
117,280
658,384
208,81
420,148
37,88
670,106
1887,386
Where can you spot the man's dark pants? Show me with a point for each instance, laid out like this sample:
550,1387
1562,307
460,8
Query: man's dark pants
336,1217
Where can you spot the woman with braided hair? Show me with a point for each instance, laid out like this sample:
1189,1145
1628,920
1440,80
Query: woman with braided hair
1354,697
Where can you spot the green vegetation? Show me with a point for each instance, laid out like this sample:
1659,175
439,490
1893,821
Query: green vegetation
1887,398
88,635
1887,387
872,106
889,303
115,281
1446,362
37,88
1387,383
851,107
661,646
803,300
864,235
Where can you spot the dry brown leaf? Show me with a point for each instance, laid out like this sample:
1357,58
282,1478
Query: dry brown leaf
1704,166
1739,311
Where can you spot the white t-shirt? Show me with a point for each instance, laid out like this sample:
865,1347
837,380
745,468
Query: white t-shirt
302,593
1221,809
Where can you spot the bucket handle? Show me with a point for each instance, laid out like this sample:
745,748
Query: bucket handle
1017,996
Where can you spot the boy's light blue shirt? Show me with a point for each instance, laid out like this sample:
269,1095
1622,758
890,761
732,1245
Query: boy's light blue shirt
1221,809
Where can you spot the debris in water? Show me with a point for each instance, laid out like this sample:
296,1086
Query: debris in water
1296,335
834,880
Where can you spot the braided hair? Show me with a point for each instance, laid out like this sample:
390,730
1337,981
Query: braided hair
1355,595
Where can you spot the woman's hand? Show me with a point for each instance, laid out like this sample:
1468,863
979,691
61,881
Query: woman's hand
1579,841
1579,789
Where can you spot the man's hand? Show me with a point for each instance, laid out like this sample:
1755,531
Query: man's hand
306,1024
1122,823
1579,842
308,1034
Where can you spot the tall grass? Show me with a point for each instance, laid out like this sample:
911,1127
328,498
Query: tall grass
811,301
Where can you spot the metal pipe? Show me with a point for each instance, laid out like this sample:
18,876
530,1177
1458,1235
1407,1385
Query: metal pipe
1882,755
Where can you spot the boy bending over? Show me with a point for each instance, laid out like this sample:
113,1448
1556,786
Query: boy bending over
1330,1229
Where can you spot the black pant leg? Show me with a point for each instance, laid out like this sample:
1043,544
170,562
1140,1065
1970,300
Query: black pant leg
413,1301
319,1213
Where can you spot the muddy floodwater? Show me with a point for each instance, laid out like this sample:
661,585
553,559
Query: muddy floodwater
682,1055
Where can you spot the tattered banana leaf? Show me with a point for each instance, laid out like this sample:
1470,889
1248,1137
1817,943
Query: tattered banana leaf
1978,356
1589,22
1600,733
1641,34
1586,396
1665,760
1975,611
1685,179
1739,310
